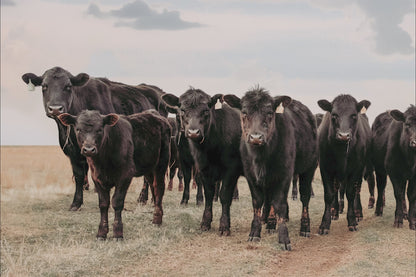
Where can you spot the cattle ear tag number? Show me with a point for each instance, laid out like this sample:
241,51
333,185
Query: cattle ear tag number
363,110
30,86
218,105
280,108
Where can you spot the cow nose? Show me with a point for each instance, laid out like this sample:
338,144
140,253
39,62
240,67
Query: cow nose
256,139
344,136
194,133
55,110
413,143
89,150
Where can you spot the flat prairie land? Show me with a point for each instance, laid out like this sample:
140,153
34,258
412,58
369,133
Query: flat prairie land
40,237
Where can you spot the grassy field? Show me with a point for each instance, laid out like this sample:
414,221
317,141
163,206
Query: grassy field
40,237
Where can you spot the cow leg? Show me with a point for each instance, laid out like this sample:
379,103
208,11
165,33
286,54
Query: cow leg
172,172
329,195
144,194
199,195
341,187
305,187
159,190
358,210
381,179
404,204
229,184
104,203
279,204
335,204
180,178
295,186
235,193
257,196
350,188
79,169
371,185
118,205
399,185
209,196
411,195
86,184
187,173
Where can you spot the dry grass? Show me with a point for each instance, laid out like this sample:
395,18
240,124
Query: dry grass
39,237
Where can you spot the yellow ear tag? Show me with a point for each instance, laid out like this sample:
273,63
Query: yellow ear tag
30,86
218,105
363,110
280,108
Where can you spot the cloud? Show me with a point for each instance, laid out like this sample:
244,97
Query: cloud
138,15
7,3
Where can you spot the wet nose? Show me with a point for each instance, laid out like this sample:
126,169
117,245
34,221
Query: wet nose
55,109
256,139
413,143
89,150
344,136
194,133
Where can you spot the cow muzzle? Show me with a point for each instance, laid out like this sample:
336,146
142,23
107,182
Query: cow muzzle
256,139
89,151
413,143
343,136
193,134
55,110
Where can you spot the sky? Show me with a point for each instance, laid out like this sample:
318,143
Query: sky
307,49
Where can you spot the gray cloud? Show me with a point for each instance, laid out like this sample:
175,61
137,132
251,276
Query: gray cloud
138,15
7,3
385,16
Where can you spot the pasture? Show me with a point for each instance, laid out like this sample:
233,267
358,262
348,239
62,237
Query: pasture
40,237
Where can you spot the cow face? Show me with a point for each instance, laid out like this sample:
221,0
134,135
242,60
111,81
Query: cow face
344,112
258,112
408,119
89,129
57,88
194,110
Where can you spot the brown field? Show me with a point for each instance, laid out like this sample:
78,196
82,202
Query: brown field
40,237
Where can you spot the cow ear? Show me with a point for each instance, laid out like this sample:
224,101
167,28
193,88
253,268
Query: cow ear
325,105
216,101
233,101
171,99
397,115
362,107
111,119
281,102
67,119
80,80
30,77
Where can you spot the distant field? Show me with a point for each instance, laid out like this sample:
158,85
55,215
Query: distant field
40,237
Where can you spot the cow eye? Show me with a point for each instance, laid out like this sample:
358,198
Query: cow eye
68,88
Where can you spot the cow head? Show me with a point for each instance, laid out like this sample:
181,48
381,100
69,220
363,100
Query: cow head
344,112
57,88
194,109
258,112
89,129
408,119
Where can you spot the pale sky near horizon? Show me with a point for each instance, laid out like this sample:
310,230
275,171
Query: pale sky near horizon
307,49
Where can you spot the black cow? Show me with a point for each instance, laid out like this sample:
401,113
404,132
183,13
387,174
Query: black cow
318,118
394,150
117,148
214,138
279,140
344,143
65,93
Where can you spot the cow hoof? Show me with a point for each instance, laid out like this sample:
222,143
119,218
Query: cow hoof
371,202
199,202
225,232
74,208
286,246
184,202
254,239
101,238
118,239
323,231
205,227
352,228
398,225
305,234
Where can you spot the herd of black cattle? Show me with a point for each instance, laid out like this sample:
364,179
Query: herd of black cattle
120,131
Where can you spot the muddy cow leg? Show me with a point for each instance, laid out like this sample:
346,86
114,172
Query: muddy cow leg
104,203
118,205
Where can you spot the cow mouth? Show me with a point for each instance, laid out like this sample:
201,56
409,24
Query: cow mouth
256,142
